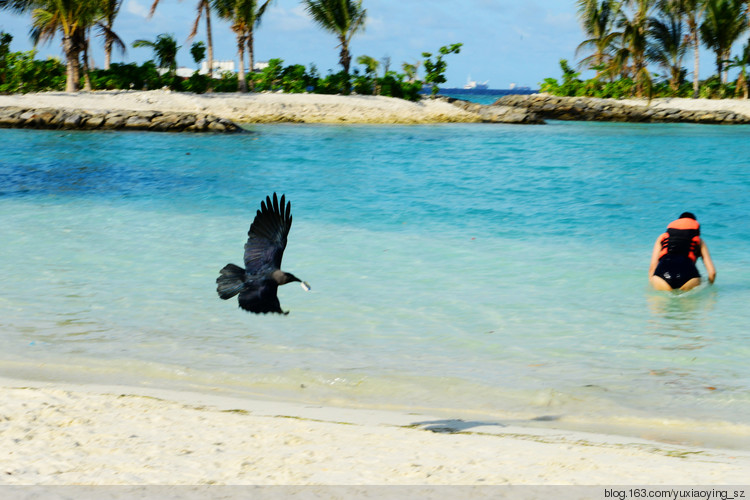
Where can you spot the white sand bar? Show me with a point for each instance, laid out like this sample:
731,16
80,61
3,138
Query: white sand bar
740,106
254,108
304,108
55,435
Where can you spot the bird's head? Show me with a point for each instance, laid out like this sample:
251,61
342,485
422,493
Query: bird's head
282,278
288,278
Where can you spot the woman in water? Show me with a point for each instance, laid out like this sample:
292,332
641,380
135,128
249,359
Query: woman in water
675,253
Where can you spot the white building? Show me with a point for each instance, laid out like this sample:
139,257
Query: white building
219,67
222,66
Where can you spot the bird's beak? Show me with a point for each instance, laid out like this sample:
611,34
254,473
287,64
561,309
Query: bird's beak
305,285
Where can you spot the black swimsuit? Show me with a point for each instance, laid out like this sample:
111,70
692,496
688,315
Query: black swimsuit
676,270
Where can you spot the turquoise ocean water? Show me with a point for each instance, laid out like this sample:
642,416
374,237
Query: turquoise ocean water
486,272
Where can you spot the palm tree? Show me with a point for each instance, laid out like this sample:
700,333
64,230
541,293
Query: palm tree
198,52
19,6
692,13
244,15
598,21
343,18
110,10
227,9
204,8
370,63
72,18
257,12
724,22
666,45
410,70
741,61
371,71
165,51
635,40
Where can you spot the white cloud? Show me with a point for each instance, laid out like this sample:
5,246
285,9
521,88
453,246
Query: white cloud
288,20
135,8
560,19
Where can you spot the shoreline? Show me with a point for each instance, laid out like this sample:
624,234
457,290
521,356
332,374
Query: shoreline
61,434
255,108
127,109
356,109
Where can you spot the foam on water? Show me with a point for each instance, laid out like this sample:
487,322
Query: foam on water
496,272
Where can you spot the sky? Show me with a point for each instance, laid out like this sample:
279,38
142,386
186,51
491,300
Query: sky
504,42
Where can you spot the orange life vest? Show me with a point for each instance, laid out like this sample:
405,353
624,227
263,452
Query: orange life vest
682,238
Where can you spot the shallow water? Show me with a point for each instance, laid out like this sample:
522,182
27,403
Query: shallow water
484,271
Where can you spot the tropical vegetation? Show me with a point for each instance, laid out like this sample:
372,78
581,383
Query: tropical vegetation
76,20
244,16
21,72
165,51
343,18
436,69
639,48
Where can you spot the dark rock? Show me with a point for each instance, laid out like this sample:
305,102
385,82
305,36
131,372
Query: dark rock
93,122
137,122
72,121
114,121
17,117
593,109
216,126
497,114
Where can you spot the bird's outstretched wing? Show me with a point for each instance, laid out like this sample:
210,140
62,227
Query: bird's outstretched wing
261,297
267,236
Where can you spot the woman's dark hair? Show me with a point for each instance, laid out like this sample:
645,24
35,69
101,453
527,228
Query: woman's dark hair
687,215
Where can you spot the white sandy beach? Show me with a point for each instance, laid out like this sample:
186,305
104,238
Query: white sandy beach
741,106
90,435
303,108
254,108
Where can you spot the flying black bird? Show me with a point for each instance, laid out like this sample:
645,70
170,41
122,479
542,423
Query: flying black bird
258,282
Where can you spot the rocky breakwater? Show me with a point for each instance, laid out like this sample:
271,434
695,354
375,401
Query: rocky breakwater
497,113
60,118
594,109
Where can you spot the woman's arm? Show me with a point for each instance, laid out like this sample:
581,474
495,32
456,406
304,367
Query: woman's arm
708,262
655,256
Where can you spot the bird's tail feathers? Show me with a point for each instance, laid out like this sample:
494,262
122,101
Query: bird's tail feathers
230,282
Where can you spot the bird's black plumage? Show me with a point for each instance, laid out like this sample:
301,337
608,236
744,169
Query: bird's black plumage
267,236
257,284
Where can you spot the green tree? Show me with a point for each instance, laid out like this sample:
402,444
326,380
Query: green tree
692,13
598,21
725,21
634,24
5,39
741,62
198,52
435,70
110,9
667,47
257,12
245,16
410,71
165,51
203,9
72,19
344,18
23,73
371,65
